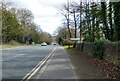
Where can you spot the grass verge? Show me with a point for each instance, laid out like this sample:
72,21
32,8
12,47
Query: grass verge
67,46
5,46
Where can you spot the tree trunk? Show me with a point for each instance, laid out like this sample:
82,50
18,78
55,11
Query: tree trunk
110,20
117,20
104,19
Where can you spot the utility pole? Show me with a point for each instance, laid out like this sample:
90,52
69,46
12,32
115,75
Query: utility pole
68,19
74,15
81,44
75,24
80,20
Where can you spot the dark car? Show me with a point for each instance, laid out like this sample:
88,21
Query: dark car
55,44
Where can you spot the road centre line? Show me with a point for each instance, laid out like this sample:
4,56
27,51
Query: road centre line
37,67
43,68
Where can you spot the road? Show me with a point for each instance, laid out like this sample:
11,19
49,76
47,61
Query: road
16,63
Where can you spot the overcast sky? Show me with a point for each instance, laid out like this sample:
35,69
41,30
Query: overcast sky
45,12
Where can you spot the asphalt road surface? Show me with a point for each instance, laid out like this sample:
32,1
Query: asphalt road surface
16,63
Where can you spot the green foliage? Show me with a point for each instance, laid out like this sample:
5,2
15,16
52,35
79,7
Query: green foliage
104,40
46,37
18,25
116,7
87,39
101,20
81,46
104,20
13,42
10,25
98,49
119,41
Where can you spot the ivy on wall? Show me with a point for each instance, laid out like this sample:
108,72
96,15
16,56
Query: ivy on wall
98,49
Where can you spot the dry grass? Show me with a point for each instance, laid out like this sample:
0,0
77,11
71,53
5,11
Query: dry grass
4,46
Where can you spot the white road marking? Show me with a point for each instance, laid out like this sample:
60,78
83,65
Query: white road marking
36,69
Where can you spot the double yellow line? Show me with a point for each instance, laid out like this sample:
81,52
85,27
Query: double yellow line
37,68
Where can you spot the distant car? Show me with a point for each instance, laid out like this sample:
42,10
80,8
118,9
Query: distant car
54,43
43,44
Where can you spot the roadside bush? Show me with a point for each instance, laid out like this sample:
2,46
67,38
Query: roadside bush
98,49
81,46
68,42
13,42
104,40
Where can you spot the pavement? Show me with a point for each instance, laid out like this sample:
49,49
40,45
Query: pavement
83,67
57,67
68,65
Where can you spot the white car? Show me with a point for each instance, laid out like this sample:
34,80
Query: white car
43,44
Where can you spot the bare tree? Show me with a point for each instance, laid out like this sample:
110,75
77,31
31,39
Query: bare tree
74,11
66,14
